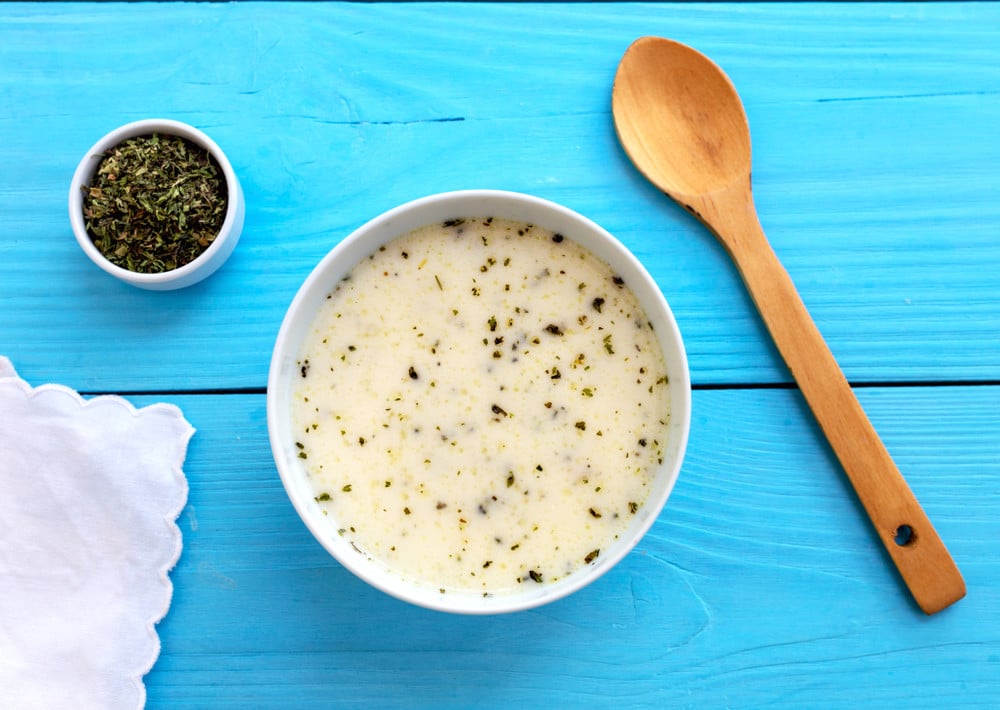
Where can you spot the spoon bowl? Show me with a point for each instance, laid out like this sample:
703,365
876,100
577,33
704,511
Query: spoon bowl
681,122
708,149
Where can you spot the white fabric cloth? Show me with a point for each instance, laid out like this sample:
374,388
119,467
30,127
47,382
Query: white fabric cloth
90,491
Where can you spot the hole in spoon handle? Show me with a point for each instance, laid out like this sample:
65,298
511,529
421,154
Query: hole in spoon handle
904,535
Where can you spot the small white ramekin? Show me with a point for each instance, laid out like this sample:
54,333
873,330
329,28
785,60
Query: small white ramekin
282,382
209,260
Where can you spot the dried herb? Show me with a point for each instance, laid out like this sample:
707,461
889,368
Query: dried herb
156,202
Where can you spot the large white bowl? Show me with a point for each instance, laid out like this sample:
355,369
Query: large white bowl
209,261
341,260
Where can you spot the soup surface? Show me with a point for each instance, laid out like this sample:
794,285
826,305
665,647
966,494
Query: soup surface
482,404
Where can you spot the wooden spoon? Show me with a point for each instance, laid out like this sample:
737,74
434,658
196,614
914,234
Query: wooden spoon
682,123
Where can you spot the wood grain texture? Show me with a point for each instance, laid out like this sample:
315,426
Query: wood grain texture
874,150
760,585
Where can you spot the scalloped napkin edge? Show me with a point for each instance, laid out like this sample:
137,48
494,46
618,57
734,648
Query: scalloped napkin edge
91,492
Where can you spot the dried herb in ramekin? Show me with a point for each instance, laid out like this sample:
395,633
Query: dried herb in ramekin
155,203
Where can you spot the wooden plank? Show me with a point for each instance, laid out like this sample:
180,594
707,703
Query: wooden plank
875,167
760,583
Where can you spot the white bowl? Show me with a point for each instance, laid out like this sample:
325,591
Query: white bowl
208,261
285,373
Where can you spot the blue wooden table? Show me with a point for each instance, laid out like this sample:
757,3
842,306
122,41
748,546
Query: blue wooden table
877,174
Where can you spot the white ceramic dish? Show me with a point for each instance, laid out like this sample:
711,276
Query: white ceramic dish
211,259
284,372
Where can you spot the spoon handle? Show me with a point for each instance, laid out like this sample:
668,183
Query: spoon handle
914,546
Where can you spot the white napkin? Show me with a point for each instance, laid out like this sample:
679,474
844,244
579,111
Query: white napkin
89,494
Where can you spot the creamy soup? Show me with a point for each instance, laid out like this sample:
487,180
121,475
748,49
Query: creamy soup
481,404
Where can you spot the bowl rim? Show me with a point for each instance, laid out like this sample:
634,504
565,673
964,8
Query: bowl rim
226,237
380,230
